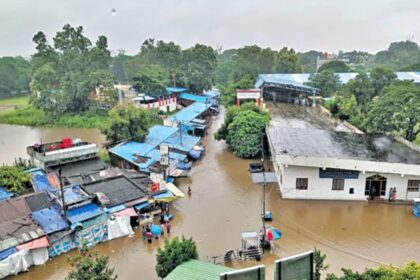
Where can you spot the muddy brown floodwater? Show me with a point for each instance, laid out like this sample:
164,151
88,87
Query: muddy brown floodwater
224,202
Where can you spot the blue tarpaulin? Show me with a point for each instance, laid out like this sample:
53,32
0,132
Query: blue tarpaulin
141,206
185,165
163,196
4,194
6,253
72,194
50,219
195,154
40,182
83,213
115,208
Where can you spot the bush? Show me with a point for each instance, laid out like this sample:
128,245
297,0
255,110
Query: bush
13,179
173,254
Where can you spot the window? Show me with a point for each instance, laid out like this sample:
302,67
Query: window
338,184
301,183
413,185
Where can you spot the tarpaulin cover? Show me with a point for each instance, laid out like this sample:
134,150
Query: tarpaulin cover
5,253
84,213
60,242
118,227
115,209
50,219
37,256
174,190
184,165
130,212
164,197
72,194
92,235
40,182
4,194
195,154
14,264
143,205
34,244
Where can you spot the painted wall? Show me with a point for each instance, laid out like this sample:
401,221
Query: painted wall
320,188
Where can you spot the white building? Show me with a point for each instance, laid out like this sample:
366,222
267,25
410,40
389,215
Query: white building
312,163
162,103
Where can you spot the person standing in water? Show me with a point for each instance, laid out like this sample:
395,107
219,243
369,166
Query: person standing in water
189,191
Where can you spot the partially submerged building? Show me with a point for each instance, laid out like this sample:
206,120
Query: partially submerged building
312,163
166,103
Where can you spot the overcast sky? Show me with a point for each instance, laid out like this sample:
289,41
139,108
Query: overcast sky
329,25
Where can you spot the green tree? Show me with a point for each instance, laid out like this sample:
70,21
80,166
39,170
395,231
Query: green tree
15,75
197,69
398,109
308,60
228,93
253,60
287,61
319,265
362,88
411,271
380,78
335,66
399,54
13,179
127,123
89,265
174,253
245,133
328,82
152,79
65,75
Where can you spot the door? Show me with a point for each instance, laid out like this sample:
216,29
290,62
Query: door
375,186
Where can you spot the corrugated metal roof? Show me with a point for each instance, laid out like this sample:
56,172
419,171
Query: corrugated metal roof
72,195
189,113
188,141
38,201
159,133
83,166
175,89
83,213
194,97
40,182
118,190
197,270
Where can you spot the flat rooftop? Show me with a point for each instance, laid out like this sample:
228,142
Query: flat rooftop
322,143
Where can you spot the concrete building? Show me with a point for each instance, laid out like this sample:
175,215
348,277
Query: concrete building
162,103
313,163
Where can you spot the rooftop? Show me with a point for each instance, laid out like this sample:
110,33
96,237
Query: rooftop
83,213
197,270
78,167
117,189
189,113
195,97
321,143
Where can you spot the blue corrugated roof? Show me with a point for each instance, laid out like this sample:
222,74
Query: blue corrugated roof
298,79
115,208
83,213
189,113
159,133
6,253
72,194
194,97
175,89
188,141
212,94
4,194
50,219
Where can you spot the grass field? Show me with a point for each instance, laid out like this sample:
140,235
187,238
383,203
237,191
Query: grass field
14,101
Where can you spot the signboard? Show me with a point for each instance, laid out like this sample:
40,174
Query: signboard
333,173
248,93
294,267
164,155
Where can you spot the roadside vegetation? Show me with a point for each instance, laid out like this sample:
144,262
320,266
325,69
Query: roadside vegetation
243,129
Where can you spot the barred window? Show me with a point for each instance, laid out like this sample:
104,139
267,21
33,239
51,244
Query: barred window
413,185
338,184
301,183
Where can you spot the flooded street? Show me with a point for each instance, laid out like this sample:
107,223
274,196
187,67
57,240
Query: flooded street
15,138
224,203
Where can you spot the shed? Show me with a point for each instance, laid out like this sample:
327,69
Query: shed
197,270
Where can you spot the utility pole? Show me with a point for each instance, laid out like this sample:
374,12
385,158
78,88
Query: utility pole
62,191
263,171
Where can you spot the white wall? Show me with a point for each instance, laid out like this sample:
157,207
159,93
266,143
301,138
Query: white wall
319,188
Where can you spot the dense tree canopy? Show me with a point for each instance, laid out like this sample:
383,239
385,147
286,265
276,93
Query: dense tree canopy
13,179
335,66
328,82
15,75
66,74
308,60
173,253
398,109
399,55
152,79
228,93
127,123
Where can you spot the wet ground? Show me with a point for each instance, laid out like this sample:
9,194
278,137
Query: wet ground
224,203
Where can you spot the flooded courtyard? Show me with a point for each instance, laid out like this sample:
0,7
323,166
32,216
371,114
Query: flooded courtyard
224,203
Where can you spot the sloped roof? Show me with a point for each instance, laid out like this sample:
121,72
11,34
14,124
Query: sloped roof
50,219
118,190
194,97
197,270
78,167
83,213
4,194
38,201
189,113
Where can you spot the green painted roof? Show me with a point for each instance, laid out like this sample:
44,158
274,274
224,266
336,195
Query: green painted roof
197,270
